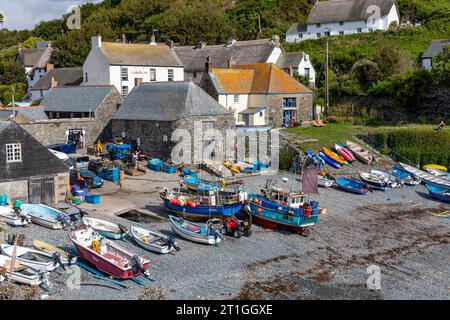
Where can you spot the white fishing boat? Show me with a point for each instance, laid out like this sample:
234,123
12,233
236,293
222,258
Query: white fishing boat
200,233
22,274
107,229
425,176
439,173
46,216
35,259
153,241
392,181
324,181
13,217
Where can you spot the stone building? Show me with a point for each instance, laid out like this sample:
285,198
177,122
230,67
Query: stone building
153,111
76,111
259,94
29,171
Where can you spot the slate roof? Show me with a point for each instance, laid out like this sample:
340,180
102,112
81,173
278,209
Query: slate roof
435,48
259,78
76,99
243,52
168,101
64,77
139,54
4,125
297,28
346,10
292,59
26,114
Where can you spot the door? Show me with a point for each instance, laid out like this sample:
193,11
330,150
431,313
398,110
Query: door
290,117
48,191
41,191
35,191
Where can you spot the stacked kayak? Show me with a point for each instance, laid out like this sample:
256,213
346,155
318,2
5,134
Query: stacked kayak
344,152
334,156
330,161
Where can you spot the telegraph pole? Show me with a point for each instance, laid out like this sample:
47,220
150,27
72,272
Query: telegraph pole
327,88
13,104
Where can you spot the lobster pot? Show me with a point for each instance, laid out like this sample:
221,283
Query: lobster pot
112,174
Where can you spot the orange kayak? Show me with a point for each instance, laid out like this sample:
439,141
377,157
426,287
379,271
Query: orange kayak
334,156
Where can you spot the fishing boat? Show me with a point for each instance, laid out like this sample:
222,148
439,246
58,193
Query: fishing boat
14,217
317,159
35,259
200,206
361,154
374,181
392,181
277,207
425,176
107,229
193,183
46,216
22,274
344,152
352,185
405,176
439,173
153,241
334,156
439,193
66,258
324,181
434,166
201,233
330,161
107,256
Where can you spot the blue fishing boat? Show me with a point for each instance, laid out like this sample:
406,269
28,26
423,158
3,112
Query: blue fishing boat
196,184
199,206
317,160
440,193
277,207
46,216
188,172
352,185
406,177
330,161
207,233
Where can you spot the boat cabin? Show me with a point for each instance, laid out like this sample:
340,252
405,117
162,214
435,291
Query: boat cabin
283,197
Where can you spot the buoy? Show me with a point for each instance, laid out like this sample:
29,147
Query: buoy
189,202
193,205
259,210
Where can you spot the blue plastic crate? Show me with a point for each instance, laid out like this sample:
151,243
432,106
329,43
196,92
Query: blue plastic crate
92,198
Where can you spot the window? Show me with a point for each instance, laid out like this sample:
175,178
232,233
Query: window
170,74
194,75
341,23
359,30
370,29
307,72
31,77
318,25
13,152
327,33
261,114
289,102
318,35
124,74
86,79
124,91
236,98
341,33
300,35
152,74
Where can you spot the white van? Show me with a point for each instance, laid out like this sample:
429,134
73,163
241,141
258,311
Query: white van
63,157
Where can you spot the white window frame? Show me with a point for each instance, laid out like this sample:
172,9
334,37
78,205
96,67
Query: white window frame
236,98
152,74
13,152
125,91
124,73
171,74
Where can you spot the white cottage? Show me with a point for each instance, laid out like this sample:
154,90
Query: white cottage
298,62
126,65
343,17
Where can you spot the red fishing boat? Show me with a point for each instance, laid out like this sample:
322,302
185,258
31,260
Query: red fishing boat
107,256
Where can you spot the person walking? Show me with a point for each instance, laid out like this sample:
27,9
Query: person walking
441,125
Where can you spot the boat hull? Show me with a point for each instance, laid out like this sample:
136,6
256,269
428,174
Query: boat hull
149,246
439,193
202,212
198,238
357,188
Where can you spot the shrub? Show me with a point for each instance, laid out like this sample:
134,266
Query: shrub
287,156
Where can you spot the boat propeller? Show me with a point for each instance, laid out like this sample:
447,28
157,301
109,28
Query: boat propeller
171,242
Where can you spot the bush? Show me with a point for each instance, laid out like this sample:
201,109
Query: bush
286,158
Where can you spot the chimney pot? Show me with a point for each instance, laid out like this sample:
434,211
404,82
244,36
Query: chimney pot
153,40
171,44
291,71
53,83
50,66
97,42
124,38
276,40
208,64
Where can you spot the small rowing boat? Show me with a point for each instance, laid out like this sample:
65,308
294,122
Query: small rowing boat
107,256
374,181
200,233
46,216
361,154
66,258
425,176
352,185
439,193
392,181
22,274
14,217
35,259
405,176
153,241
106,228
439,173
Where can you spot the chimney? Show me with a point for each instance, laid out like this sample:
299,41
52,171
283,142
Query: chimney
171,44
96,42
230,62
53,83
201,45
276,40
291,71
153,40
124,38
50,66
208,64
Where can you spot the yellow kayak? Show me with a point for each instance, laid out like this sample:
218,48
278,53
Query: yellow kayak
434,166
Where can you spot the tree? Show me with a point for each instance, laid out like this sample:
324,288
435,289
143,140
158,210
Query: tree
12,72
31,42
441,67
1,19
366,72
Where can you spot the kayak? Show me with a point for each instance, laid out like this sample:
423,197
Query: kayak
334,156
318,160
330,161
344,152
434,166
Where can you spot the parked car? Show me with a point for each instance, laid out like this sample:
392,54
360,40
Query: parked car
85,178
63,157
80,162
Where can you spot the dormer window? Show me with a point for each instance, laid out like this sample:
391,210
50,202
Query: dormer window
318,25
13,152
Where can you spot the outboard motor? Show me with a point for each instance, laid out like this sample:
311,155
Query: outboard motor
137,265
171,242
44,275
56,258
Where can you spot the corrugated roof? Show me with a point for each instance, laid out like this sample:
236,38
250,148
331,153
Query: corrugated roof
266,78
435,48
64,77
242,52
292,59
346,10
140,54
76,99
168,101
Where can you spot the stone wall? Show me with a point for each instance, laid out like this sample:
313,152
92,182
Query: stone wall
275,112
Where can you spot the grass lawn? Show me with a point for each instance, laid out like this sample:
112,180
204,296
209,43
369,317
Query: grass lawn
340,132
